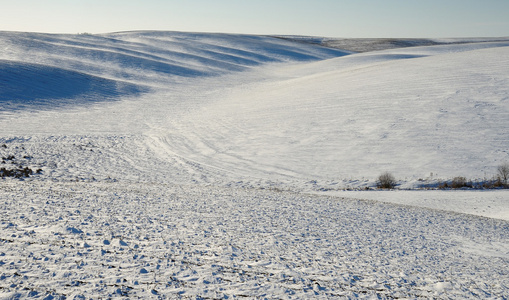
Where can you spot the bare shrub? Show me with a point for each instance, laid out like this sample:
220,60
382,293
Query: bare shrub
499,183
459,182
386,181
443,185
503,172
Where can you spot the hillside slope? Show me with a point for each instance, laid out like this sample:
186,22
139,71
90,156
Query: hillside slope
414,112
36,67
230,108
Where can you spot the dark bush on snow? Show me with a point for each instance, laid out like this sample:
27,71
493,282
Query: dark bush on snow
459,182
503,172
386,181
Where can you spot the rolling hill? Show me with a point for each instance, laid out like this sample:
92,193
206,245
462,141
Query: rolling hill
264,108
195,165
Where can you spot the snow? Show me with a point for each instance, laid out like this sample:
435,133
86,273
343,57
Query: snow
491,204
136,240
201,165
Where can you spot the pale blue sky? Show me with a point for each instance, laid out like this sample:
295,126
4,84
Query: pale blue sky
333,18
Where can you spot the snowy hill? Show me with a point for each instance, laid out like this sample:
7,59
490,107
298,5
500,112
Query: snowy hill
413,112
262,108
139,58
170,164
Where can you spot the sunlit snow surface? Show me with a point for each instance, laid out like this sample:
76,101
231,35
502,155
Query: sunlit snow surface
146,240
211,166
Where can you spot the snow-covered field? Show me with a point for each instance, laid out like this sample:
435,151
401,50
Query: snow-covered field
213,166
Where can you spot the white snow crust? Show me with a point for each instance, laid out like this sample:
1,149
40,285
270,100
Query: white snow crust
214,166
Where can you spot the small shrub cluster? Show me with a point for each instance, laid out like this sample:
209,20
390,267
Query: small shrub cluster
495,184
456,183
461,182
387,181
